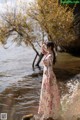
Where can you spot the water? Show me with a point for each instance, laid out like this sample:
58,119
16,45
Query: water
20,87
15,63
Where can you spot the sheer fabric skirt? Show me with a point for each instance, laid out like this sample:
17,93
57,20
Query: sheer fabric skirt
49,104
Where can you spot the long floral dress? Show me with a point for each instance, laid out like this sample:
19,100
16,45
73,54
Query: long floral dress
49,105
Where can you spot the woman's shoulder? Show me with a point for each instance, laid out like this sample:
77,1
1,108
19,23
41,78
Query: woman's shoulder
49,56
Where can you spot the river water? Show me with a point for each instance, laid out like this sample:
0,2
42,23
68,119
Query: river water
20,85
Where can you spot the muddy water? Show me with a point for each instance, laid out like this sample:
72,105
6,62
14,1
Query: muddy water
20,86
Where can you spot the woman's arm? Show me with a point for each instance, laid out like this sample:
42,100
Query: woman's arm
43,48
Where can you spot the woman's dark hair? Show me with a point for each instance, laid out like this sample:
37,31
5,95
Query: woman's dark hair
52,45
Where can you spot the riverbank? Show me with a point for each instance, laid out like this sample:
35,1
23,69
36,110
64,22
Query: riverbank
21,96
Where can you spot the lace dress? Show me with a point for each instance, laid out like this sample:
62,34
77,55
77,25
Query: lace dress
49,105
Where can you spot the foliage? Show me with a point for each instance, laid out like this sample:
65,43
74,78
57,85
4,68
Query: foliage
14,22
50,18
55,20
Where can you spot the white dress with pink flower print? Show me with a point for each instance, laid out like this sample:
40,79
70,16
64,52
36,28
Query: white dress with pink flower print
49,105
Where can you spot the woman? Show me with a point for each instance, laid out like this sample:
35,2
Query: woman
49,105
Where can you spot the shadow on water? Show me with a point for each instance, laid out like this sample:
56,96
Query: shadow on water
63,75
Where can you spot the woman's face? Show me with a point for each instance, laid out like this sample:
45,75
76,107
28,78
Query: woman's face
48,48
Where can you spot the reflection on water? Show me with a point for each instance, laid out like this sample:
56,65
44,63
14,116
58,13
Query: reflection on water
20,87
